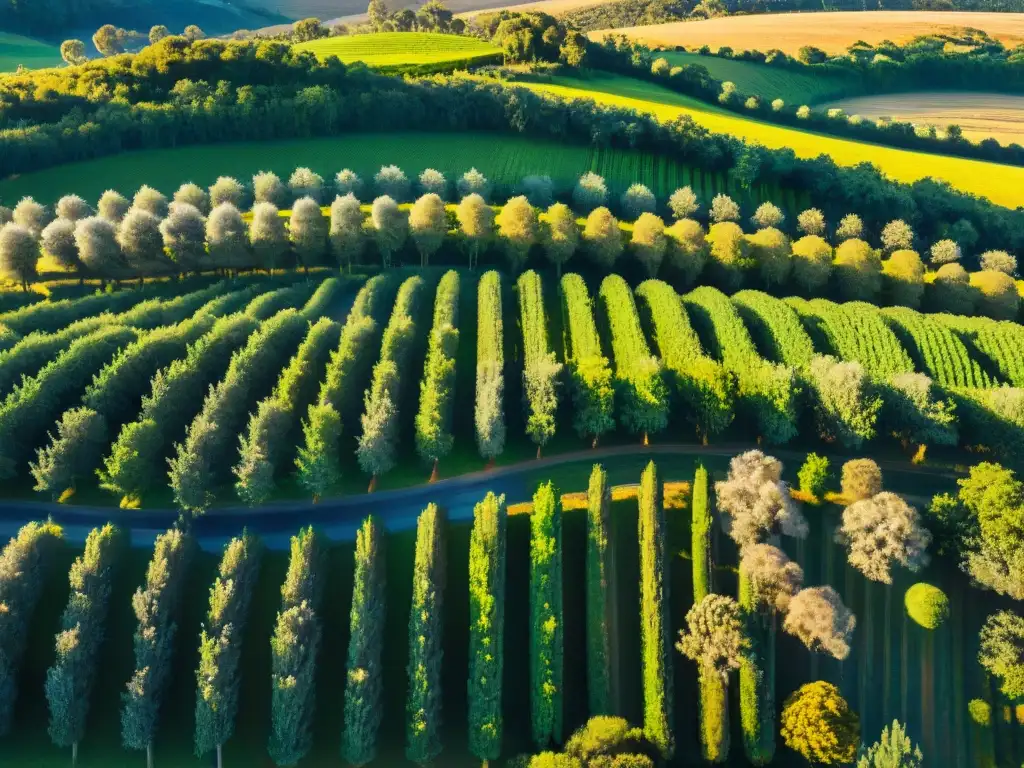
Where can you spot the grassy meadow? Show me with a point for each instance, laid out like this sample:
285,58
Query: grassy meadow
769,82
33,54
397,48
1003,184
833,32
505,159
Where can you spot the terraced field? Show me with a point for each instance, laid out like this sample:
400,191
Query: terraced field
768,82
397,48
1002,184
833,32
15,50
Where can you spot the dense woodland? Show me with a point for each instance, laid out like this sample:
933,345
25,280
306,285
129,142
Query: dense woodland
172,102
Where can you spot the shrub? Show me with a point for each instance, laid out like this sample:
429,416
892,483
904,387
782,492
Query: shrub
683,203
862,479
997,294
814,475
897,235
944,252
817,723
850,227
812,263
858,269
724,208
768,215
927,605
998,261
811,222
590,193
636,200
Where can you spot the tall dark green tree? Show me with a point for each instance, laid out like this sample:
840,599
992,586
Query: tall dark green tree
426,631
70,680
293,650
654,638
486,626
364,681
23,567
599,683
156,607
220,644
546,628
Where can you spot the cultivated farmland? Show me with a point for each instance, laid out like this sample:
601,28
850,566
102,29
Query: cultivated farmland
832,32
981,116
1002,184
402,48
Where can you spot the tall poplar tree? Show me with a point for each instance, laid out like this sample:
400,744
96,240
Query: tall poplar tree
654,638
364,681
426,631
599,684
69,681
546,627
156,607
700,533
487,545
220,644
293,650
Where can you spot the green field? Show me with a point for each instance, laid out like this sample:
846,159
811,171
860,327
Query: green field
504,159
15,50
396,48
1002,184
766,81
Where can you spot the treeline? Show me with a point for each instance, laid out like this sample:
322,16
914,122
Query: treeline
802,253
325,99
926,67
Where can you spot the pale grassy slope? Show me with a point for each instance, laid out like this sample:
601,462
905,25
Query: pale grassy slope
1003,184
832,32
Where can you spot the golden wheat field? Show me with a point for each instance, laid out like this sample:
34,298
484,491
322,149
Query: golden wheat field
980,115
832,32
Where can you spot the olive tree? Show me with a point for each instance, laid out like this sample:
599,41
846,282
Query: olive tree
140,239
560,235
683,203
19,254
72,208
590,193
428,225
391,181
96,239
307,232
649,242
812,263
882,531
227,190
687,252
305,183
348,182
636,200
768,215
112,206
998,261
1002,651
58,240
602,238
193,194
754,502
944,252
346,233
433,182
811,222
518,231
389,227
31,215
724,208
267,187
851,227
228,238
267,236
184,232
897,235
472,182
476,225
818,619
151,200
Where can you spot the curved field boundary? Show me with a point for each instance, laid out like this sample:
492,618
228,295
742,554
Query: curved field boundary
1002,184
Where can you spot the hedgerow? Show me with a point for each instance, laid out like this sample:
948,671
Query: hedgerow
322,298
654,606
707,390
199,461
267,305
701,522
489,410
136,459
641,391
36,349
998,342
541,370
546,627
433,423
270,438
37,402
592,393
854,331
487,546
337,404
113,396
378,443
51,316
939,351
768,392
775,328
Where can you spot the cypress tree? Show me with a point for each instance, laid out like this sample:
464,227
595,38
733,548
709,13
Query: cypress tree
293,650
599,499
23,567
657,670
757,680
700,532
364,682
546,616
426,631
220,644
486,625
156,606
70,680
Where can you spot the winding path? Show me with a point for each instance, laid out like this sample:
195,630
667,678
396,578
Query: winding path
339,517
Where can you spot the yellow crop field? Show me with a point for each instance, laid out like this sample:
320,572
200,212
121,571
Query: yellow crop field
997,116
394,48
1003,184
832,32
